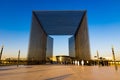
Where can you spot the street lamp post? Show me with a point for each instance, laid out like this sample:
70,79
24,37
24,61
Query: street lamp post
1,53
98,57
116,68
18,58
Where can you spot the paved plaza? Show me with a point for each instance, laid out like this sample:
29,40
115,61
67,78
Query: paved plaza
59,72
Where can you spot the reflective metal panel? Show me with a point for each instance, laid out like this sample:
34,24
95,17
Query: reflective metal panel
72,47
60,22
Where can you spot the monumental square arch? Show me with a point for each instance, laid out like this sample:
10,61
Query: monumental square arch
45,23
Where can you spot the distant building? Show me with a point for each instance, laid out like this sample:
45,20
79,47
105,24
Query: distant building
45,23
63,59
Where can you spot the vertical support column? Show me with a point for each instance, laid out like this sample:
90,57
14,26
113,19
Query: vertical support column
38,41
72,47
49,51
82,49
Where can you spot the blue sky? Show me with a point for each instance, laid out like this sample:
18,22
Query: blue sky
103,23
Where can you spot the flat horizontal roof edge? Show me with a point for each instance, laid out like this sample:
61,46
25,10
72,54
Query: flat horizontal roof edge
59,10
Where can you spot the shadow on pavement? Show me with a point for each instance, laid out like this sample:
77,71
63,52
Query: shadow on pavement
11,68
7,69
59,77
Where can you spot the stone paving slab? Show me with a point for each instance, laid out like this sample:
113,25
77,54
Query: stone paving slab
59,72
